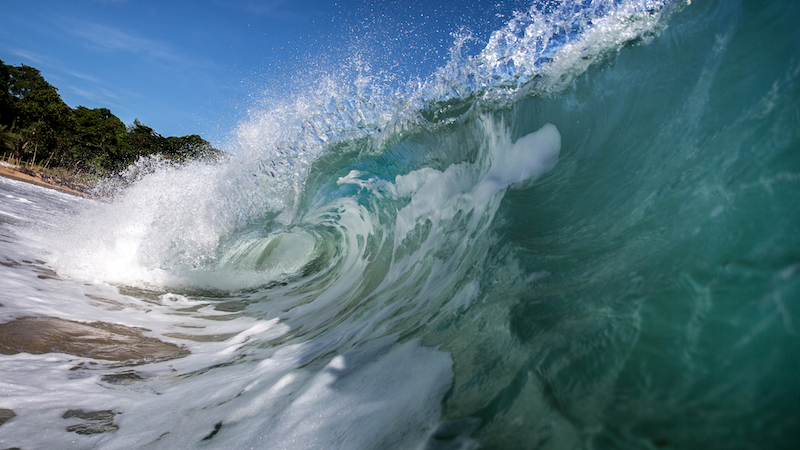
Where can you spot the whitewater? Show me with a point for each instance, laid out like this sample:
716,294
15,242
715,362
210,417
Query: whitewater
585,235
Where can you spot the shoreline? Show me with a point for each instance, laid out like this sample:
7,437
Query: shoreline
14,174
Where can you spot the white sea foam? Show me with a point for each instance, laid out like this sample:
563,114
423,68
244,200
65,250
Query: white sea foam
440,195
299,365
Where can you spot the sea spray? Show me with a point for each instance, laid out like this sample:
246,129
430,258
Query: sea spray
583,236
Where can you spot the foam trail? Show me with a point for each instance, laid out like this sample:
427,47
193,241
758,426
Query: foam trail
493,257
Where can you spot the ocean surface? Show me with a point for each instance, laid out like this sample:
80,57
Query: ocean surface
584,236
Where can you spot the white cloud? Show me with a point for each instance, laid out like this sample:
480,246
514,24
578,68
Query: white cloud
25,54
112,40
80,75
106,97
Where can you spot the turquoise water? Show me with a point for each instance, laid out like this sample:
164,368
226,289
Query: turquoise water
587,236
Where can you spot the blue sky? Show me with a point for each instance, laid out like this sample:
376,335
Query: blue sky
197,67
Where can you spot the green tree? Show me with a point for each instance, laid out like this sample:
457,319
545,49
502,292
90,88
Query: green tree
6,100
189,147
37,125
99,141
6,139
41,121
143,140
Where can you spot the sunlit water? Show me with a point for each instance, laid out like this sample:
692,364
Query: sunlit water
586,236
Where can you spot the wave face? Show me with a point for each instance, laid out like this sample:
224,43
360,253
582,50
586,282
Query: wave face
584,236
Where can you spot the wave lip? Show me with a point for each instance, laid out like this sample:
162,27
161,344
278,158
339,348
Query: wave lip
550,44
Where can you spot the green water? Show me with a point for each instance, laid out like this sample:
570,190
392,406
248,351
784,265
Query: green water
554,257
644,293
667,240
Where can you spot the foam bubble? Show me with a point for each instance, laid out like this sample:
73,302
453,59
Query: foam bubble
530,157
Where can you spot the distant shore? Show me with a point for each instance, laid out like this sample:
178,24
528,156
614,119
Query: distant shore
13,172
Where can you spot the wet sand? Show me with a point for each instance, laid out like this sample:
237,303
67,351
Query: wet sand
14,174
97,340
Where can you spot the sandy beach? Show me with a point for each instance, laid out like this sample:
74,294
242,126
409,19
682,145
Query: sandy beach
10,171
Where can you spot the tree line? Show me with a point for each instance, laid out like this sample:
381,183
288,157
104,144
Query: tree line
37,126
